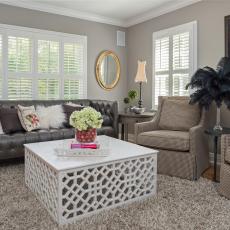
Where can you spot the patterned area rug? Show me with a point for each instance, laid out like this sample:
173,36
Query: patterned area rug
179,204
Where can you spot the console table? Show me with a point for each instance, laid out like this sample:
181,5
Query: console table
130,119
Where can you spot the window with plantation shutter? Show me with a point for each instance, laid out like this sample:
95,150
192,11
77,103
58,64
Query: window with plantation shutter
48,56
73,58
48,89
39,64
73,70
175,60
20,89
19,54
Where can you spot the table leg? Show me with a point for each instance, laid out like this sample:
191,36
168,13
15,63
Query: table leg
215,157
122,131
126,132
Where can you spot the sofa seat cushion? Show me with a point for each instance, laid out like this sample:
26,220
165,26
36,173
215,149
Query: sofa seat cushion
18,139
165,139
179,115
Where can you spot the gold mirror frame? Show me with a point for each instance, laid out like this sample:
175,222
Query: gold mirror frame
98,73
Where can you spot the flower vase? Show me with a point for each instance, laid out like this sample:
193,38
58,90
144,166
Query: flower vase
86,136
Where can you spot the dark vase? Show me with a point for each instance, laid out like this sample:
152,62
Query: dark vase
86,136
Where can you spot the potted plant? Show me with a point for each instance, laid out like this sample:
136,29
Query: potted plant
86,121
212,85
126,101
132,95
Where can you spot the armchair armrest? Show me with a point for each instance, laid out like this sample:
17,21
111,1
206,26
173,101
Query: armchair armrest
199,145
145,127
198,139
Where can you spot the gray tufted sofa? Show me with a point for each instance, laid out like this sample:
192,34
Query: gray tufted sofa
11,146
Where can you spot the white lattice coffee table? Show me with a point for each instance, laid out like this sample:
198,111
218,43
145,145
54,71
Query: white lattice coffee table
71,188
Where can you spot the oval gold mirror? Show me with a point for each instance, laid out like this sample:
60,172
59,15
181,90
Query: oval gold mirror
108,70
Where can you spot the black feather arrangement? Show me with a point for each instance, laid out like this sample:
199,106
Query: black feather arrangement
211,85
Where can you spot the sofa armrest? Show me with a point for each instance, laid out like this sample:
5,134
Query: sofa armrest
225,142
144,127
115,118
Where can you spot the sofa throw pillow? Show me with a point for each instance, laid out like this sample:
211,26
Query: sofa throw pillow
9,120
69,109
73,104
178,115
28,118
51,117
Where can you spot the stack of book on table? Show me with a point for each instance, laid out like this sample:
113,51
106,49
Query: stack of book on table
76,149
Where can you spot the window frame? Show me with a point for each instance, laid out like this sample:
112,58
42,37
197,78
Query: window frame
35,35
190,27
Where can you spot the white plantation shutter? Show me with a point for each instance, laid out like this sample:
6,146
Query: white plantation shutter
19,54
181,51
73,89
48,89
48,56
73,58
174,55
161,67
20,89
73,70
39,64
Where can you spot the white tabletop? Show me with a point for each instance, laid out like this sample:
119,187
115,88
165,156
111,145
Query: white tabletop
118,150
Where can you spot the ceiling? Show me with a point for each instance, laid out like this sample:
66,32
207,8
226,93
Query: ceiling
116,12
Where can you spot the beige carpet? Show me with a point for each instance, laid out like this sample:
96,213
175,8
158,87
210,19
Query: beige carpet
179,204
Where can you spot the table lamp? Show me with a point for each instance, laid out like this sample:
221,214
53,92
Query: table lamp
140,78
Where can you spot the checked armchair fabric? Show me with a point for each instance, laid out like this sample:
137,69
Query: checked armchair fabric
177,131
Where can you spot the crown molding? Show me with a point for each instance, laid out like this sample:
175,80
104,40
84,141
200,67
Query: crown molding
167,8
64,11
98,18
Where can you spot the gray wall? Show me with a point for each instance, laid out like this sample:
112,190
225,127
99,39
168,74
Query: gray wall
210,17
100,37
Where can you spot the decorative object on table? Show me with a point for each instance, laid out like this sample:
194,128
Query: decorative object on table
86,121
212,85
28,118
108,70
126,101
132,95
140,78
84,145
138,110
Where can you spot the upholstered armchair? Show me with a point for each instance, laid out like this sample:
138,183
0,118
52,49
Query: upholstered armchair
177,131
224,188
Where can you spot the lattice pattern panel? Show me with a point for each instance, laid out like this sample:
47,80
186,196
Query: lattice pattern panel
89,190
43,181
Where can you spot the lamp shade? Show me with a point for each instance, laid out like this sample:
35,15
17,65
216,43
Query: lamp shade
141,75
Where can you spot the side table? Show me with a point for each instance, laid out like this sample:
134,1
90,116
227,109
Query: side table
129,119
215,134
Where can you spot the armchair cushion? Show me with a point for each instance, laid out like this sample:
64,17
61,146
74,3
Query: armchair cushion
178,115
165,139
227,155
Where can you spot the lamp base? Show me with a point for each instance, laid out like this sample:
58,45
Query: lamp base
140,104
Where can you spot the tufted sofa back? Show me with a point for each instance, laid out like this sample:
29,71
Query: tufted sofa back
108,109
